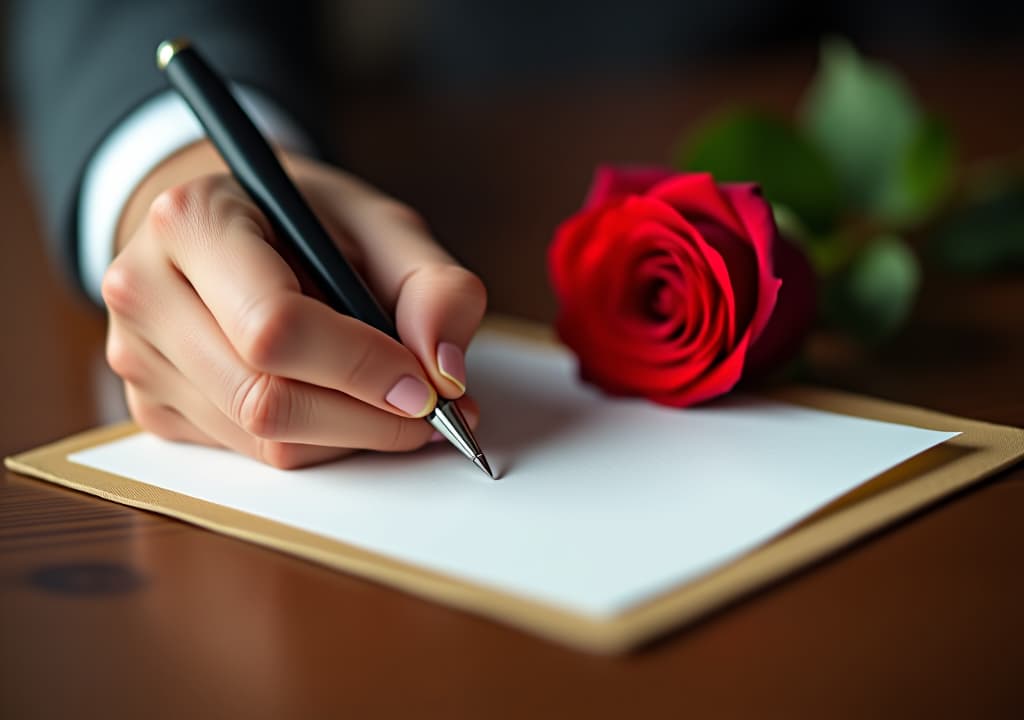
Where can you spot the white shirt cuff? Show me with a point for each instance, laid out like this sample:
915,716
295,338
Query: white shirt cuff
156,130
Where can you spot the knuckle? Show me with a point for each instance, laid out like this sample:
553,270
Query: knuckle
121,289
263,331
406,435
239,215
467,284
173,208
123,361
135,406
456,280
389,209
240,220
262,405
283,456
190,211
152,418
361,363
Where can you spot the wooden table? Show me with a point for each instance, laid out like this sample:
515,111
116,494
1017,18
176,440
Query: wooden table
106,611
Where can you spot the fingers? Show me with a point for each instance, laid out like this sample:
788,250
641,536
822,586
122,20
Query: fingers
218,345
278,331
261,404
165,404
163,420
170,424
439,310
437,303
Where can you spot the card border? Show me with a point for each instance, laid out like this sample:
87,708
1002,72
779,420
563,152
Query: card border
981,450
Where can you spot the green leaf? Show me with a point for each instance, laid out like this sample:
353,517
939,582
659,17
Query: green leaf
790,225
923,177
986,235
892,162
874,296
750,146
827,252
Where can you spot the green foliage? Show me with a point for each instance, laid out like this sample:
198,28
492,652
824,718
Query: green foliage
751,146
862,164
893,162
923,177
987,235
873,297
861,115
828,252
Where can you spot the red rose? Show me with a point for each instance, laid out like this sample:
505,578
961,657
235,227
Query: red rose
673,287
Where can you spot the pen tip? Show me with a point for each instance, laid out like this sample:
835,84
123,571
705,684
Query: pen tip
481,462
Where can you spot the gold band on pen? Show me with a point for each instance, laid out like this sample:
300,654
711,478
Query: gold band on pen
168,49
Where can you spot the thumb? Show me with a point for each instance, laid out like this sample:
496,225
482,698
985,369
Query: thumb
438,310
438,304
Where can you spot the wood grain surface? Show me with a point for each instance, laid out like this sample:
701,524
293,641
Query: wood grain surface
107,611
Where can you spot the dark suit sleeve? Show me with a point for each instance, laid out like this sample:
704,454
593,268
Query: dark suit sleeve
80,66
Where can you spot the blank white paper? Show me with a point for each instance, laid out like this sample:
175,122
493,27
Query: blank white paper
603,503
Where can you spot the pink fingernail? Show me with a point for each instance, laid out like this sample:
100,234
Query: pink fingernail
452,364
436,437
412,396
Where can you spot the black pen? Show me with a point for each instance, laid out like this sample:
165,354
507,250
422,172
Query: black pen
258,171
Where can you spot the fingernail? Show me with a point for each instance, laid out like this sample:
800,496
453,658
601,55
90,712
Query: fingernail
452,364
412,396
436,437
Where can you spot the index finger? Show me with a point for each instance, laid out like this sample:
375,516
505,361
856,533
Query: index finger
277,330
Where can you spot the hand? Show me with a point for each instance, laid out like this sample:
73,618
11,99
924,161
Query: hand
217,344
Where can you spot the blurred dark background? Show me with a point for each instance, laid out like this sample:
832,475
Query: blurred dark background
459,107
488,47
490,116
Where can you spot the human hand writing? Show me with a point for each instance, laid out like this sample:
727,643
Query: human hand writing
217,344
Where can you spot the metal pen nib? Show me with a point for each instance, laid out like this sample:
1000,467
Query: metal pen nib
448,420
481,462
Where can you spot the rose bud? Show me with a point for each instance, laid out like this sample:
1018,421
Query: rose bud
674,288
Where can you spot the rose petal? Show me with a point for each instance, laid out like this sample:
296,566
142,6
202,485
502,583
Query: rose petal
571,240
672,365
695,196
695,253
617,337
668,215
720,379
739,258
711,301
615,182
662,294
756,215
695,308
794,312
